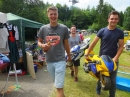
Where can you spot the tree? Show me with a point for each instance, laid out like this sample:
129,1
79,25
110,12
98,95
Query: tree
78,17
121,19
103,10
8,6
92,18
94,26
126,22
33,9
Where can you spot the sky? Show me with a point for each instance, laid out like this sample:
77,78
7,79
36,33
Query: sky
119,5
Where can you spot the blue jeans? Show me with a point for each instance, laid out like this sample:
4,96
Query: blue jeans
57,72
112,90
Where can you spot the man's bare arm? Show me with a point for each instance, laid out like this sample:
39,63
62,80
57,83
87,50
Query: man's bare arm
67,48
120,49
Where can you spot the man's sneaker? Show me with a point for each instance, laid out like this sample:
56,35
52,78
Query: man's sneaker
72,73
76,79
98,90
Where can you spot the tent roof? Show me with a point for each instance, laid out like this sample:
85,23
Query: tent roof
26,22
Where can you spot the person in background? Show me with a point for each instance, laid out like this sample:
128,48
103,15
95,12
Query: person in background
53,39
112,42
74,40
81,36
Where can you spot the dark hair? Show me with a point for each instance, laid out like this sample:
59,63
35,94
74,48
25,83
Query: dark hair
113,12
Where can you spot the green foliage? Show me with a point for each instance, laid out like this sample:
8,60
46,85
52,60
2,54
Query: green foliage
121,19
94,26
33,10
122,28
78,17
8,6
94,18
103,10
69,23
126,23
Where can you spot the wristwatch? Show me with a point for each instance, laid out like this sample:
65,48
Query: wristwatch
86,55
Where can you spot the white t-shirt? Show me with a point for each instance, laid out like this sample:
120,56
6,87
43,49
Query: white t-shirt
3,37
4,40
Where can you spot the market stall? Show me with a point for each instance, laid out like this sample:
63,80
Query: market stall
21,24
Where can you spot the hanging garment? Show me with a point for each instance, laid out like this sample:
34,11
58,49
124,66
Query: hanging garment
16,33
11,32
4,40
13,54
3,37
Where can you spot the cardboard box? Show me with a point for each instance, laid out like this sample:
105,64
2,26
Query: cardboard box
44,62
21,59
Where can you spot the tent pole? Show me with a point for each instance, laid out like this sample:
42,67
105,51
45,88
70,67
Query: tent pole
21,30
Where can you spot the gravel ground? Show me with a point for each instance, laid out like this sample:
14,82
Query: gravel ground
27,87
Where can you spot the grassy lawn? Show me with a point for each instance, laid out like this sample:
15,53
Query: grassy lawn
85,87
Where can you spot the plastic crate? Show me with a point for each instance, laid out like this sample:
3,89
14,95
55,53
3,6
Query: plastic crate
123,83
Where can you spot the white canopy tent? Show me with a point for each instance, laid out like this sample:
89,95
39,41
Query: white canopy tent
3,17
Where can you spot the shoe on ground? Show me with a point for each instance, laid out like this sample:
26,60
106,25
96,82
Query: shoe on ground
76,79
72,73
98,90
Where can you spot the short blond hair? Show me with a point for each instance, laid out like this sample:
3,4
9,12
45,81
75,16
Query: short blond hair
52,8
72,26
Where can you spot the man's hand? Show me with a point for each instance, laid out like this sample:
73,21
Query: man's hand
46,47
69,58
87,57
115,59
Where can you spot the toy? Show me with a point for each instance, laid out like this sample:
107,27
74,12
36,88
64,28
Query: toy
78,50
100,67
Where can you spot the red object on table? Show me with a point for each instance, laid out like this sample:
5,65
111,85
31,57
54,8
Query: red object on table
4,65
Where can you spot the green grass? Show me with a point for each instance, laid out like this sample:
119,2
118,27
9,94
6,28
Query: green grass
85,87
